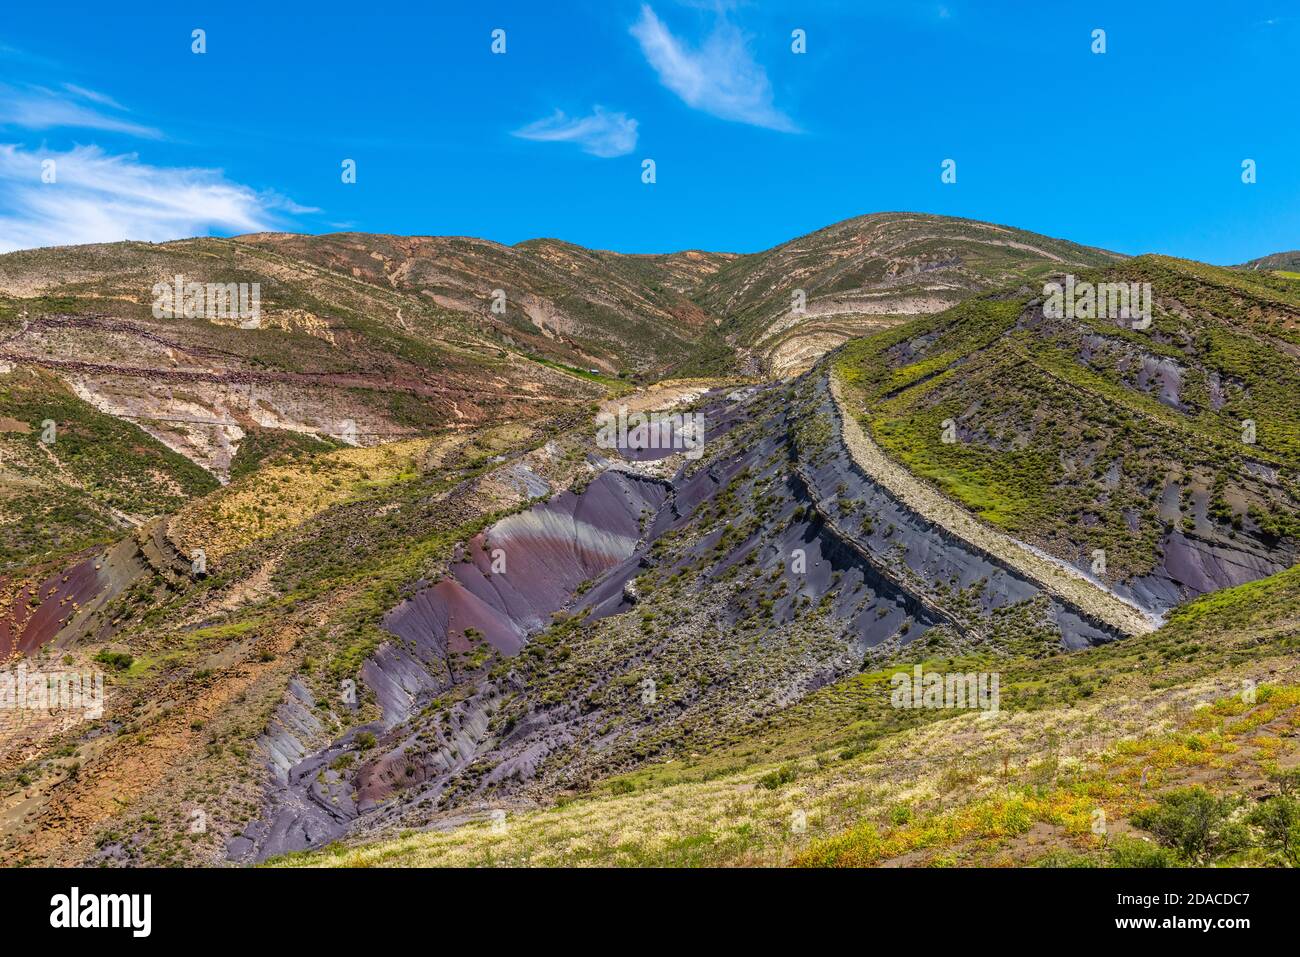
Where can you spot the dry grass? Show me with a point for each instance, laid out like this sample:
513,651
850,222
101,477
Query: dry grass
277,497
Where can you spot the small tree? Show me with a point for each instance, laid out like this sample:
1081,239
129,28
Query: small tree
1278,820
1195,823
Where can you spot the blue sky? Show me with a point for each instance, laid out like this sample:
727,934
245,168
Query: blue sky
1138,149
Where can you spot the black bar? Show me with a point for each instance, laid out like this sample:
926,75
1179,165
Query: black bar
336,907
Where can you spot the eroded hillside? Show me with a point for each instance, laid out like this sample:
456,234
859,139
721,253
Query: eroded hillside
481,612
1086,752
1162,461
394,651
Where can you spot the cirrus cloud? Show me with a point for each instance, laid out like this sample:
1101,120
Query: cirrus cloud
600,134
720,78
38,108
97,197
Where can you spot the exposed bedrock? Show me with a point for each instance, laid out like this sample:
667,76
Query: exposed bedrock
1194,564
515,576
869,601
308,803
932,560
64,604
872,572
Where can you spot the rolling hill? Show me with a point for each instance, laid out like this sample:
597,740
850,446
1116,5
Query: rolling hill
870,272
1282,262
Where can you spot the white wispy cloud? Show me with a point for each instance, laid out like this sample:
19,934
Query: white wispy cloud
93,95
37,108
600,134
721,77
98,197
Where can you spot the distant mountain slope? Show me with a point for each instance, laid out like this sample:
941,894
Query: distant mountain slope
585,307
331,360
386,336
72,476
331,355
638,315
1284,262
652,312
869,272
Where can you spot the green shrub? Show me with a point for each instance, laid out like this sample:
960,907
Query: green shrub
1061,858
782,775
1132,852
117,660
1195,823
900,814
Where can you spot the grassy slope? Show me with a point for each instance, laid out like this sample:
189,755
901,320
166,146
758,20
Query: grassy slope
1053,436
62,497
1235,744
